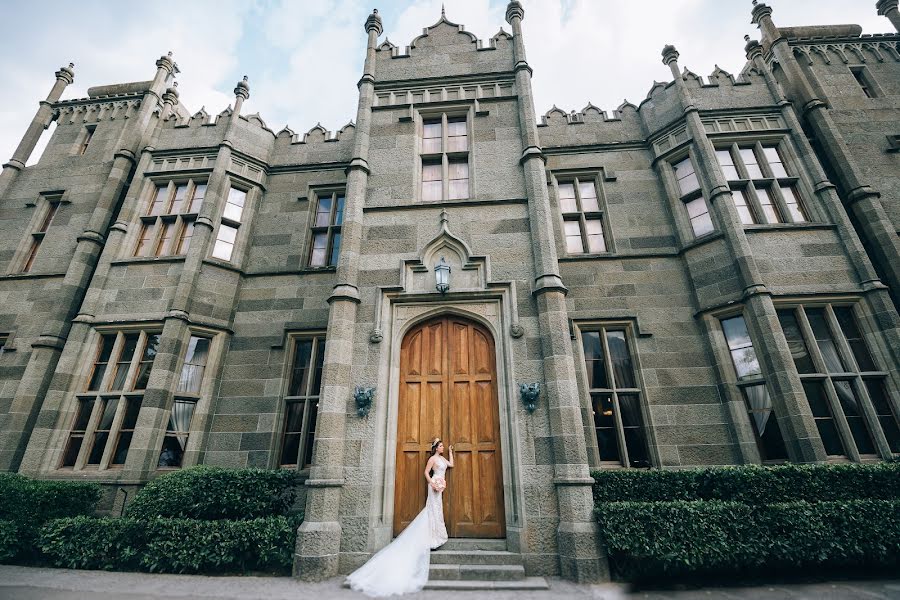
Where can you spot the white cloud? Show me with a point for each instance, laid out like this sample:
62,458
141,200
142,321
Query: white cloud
305,58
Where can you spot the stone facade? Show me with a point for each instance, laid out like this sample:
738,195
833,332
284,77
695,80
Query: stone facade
570,238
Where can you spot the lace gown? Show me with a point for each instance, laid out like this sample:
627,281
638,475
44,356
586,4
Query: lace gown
402,566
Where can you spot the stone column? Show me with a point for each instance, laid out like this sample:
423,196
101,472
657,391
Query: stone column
581,556
49,345
876,293
42,119
785,389
888,8
152,422
319,537
859,197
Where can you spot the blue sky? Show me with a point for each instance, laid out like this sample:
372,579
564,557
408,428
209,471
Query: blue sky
304,58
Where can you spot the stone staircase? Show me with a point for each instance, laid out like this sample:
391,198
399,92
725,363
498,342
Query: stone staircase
479,564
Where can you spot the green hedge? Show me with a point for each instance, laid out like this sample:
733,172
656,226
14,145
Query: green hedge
214,493
28,503
752,484
171,545
667,539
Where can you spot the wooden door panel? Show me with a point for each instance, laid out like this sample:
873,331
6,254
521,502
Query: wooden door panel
448,389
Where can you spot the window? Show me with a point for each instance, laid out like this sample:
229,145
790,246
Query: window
49,207
445,158
168,225
692,197
302,401
4,340
325,246
615,397
107,411
86,138
861,74
186,396
840,379
761,187
231,221
753,387
582,217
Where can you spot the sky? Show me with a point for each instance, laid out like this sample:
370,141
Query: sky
304,58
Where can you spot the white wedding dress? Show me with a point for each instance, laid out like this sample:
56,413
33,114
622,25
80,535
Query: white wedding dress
402,566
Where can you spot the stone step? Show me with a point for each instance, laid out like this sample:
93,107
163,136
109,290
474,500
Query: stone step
474,557
527,584
476,573
468,544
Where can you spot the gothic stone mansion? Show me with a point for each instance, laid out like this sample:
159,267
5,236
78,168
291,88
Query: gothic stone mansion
710,277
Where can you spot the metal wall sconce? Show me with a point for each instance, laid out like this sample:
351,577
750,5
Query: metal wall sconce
530,393
442,276
363,396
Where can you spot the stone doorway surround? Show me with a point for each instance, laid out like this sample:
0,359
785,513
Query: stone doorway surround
400,308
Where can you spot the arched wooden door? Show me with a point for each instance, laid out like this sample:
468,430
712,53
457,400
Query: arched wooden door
448,389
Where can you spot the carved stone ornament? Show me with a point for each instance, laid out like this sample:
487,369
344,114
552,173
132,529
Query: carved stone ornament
376,336
363,396
530,393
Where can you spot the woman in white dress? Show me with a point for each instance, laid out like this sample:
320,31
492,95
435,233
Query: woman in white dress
402,566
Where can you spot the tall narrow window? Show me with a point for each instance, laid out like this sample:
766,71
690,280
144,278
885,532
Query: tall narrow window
168,223
692,197
325,245
231,221
753,387
186,396
841,380
86,138
49,206
615,397
445,158
861,74
761,188
106,413
582,216
302,401
4,340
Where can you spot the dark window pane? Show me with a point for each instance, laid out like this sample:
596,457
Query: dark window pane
335,250
796,344
132,408
122,446
850,405
818,402
172,452
72,449
99,446
320,362
623,372
605,426
815,395
291,449
593,354
97,377
85,407
632,423
300,370
819,325
848,325
109,411
879,396
310,435
830,437
765,425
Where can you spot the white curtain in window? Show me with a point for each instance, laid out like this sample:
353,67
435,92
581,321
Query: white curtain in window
182,411
760,406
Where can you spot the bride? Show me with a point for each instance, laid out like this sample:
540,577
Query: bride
402,566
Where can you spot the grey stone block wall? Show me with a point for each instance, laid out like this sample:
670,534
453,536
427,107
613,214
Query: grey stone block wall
511,271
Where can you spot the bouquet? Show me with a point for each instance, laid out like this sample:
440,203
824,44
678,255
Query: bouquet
438,484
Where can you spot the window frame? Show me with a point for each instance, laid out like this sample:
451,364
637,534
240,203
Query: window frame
48,209
691,196
865,81
852,373
769,183
331,230
179,225
310,401
445,156
239,226
87,135
601,328
580,215
101,397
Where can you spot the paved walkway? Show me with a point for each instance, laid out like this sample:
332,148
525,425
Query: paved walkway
25,583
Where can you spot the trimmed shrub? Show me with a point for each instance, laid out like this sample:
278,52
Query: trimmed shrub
29,503
9,540
214,493
105,543
668,539
171,545
752,484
